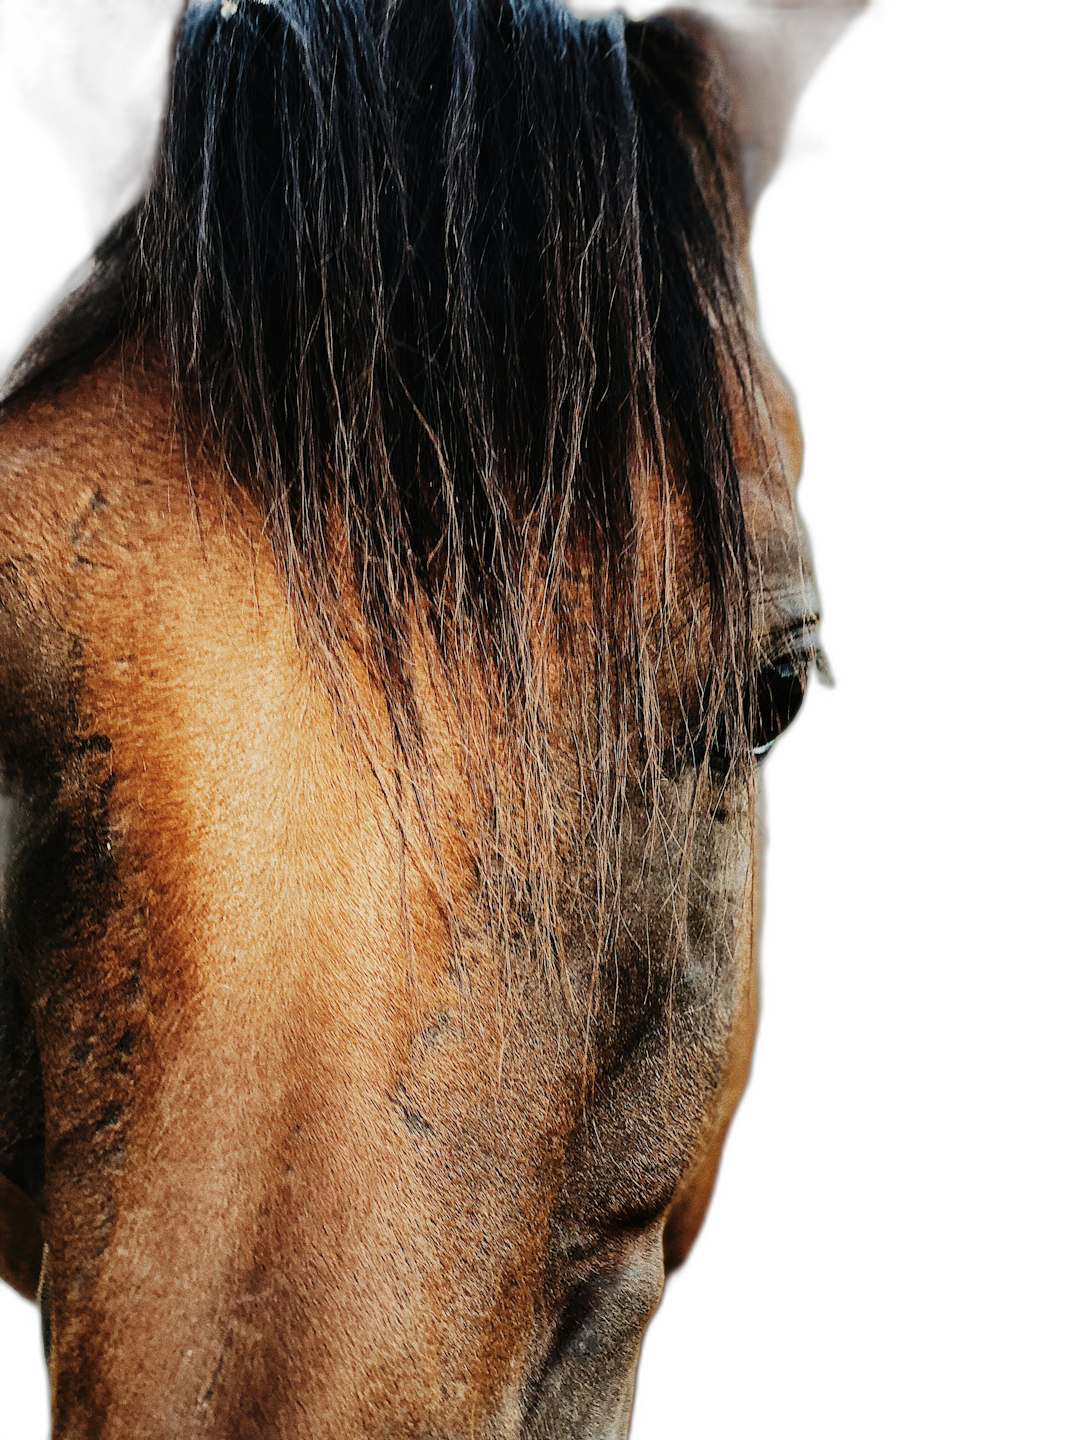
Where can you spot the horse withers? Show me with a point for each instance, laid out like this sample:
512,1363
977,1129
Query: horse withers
400,583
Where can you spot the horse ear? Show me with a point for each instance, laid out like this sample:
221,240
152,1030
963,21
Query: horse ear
88,84
767,53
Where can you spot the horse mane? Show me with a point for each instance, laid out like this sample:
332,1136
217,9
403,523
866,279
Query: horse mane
452,288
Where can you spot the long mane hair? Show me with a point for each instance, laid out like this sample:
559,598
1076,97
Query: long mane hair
451,287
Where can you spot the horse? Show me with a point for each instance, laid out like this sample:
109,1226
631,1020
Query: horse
400,586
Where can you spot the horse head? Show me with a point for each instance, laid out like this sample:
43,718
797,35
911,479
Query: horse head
400,585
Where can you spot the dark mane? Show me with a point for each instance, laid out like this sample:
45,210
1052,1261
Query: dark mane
452,273
451,286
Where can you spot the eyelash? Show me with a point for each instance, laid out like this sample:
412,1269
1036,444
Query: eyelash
776,697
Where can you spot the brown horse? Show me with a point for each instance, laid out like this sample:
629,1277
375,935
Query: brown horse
400,583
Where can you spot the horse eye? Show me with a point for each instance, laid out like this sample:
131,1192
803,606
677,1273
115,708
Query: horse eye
778,694
770,704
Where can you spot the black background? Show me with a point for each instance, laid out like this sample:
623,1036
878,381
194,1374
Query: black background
795,1305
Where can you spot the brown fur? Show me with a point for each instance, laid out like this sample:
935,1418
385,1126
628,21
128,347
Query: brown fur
325,1149
333,1181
